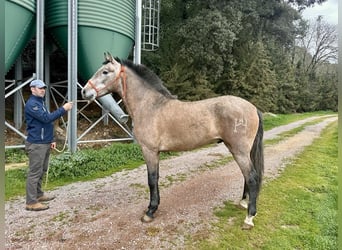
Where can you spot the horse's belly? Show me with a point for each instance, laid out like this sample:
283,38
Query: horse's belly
185,142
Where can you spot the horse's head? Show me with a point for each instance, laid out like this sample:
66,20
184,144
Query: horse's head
105,80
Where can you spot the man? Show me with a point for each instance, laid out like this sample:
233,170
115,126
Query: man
39,142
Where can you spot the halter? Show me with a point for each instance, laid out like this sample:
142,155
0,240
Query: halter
121,74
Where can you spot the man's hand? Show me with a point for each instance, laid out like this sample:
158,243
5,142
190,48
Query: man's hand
53,145
67,106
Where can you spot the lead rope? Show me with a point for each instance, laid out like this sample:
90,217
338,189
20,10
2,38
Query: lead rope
63,149
59,151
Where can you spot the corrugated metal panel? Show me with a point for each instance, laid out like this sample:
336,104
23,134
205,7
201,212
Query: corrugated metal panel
28,4
113,15
107,25
56,13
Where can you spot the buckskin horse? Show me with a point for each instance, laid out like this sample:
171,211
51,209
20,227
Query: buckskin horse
164,123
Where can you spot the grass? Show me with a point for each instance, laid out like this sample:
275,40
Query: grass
85,165
90,164
82,166
15,182
298,210
292,132
272,121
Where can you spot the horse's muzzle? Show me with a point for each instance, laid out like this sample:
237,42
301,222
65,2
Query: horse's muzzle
83,93
88,94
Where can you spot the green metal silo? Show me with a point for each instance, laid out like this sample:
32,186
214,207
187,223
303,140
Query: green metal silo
106,25
20,26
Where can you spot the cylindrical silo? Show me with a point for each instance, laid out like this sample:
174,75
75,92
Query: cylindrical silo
20,26
106,25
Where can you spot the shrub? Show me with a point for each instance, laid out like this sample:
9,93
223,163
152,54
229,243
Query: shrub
90,161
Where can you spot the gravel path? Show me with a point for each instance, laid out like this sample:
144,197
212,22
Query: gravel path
105,213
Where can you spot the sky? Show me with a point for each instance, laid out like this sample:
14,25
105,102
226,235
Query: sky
329,11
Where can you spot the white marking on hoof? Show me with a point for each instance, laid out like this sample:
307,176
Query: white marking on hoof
246,226
248,223
146,219
244,204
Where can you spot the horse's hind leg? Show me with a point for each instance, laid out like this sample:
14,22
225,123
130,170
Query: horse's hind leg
251,163
244,201
251,188
152,163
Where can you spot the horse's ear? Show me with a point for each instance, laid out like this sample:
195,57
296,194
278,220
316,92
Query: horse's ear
108,57
105,56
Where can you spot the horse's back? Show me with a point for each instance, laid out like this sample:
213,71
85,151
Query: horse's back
222,107
231,103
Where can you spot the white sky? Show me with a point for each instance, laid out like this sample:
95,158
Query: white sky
329,11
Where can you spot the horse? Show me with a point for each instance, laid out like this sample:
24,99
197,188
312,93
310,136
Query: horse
162,123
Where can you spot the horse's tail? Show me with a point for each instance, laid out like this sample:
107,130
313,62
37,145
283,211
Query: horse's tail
257,152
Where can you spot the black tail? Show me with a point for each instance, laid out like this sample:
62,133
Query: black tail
257,152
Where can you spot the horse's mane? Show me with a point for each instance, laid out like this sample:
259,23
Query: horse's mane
149,76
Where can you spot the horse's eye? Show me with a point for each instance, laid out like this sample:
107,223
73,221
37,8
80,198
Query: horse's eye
105,72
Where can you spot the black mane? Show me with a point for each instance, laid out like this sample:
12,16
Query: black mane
150,77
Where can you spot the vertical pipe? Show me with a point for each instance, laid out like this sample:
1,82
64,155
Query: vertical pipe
137,46
72,74
40,40
47,74
40,47
2,124
158,23
18,110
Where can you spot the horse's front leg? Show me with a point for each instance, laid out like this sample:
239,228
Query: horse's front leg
152,163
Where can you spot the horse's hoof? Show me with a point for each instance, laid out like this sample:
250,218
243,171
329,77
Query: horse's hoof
146,218
248,223
243,204
246,226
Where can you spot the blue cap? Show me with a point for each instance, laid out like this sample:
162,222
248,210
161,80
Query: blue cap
37,83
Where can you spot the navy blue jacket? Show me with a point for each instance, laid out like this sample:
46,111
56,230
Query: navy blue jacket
39,121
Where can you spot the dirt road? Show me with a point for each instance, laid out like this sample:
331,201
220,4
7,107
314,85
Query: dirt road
105,213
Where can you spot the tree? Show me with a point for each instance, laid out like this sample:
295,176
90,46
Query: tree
327,88
316,52
199,48
257,81
206,46
320,45
241,47
302,4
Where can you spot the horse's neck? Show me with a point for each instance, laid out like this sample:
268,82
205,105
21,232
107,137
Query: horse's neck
140,98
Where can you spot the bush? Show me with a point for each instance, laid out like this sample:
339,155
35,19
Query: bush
90,161
15,155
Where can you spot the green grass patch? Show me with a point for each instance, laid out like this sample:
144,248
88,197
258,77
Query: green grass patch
15,155
84,165
272,121
298,210
15,182
292,132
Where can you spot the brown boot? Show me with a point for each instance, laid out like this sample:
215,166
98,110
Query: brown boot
45,198
36,207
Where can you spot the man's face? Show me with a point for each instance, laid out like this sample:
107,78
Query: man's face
38,91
